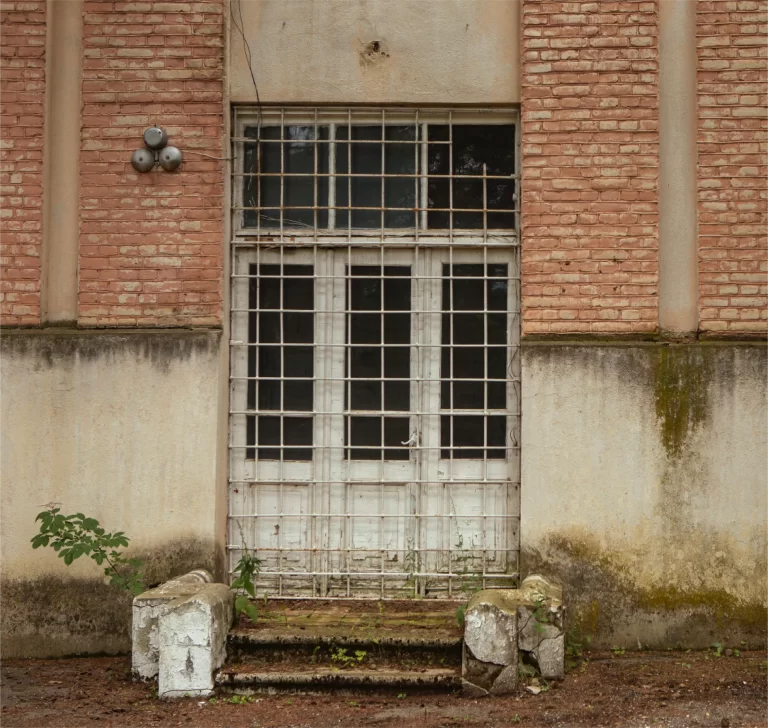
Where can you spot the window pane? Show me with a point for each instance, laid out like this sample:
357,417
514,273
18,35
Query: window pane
283,372
384,292
468,362
471,153
391,156
292,163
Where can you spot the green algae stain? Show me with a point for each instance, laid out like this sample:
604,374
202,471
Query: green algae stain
681,379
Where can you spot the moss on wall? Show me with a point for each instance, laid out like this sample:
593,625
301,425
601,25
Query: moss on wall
681,381
608,607
57,615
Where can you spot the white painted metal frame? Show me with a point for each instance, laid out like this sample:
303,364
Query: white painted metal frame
336,527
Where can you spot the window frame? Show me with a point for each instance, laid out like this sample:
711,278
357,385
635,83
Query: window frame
275,115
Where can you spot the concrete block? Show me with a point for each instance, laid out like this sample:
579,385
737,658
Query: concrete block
193,641
147,608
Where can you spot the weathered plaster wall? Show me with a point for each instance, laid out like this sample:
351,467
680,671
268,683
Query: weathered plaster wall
644,488
122,427
368,51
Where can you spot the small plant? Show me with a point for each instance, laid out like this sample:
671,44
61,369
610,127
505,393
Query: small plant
617,651
237,700
245,569
460,615
515,718
402,696
76,535
717,648
339,655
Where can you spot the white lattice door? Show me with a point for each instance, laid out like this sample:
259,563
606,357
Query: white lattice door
375,417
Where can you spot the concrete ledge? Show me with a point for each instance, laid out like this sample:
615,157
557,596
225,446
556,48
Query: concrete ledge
192,636
147,608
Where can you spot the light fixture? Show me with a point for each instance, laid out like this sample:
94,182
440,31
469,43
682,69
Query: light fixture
156,151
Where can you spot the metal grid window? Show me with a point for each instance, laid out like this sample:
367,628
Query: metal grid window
375,374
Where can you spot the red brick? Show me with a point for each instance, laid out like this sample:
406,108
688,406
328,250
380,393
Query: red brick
732,180
590,169
158,237
22,98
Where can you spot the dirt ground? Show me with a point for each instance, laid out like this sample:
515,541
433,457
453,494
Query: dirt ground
632,690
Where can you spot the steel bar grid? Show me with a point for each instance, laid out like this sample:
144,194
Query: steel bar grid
375,365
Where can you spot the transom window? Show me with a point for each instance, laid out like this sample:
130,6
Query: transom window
377,170
375,402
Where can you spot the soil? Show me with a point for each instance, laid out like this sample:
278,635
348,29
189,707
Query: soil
632,690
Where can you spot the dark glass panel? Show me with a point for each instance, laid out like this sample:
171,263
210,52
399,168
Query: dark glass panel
365,328
397,396
475,147
396,433
497,428
363,431
397,362
366,191
400,192
293,157
298,328
269,434
298,395
366,395
297,431
298,361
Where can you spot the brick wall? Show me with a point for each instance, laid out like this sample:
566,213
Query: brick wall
733,185
151,245
22,94
590,167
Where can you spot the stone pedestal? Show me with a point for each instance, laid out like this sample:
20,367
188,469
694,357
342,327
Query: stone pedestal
147,608
193,641
499,624
180,634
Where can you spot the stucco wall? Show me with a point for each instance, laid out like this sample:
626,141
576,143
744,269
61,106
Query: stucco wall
644,488
122,427
368,51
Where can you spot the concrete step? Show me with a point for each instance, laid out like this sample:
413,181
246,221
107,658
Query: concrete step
240,681
311,646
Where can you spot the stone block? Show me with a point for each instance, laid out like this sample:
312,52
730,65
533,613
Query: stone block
506,681
147,608
499,623
490,626
192,637
549,657
540,618
489,663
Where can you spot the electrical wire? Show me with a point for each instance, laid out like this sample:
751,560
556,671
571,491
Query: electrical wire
248,58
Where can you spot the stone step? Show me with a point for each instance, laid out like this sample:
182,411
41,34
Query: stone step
241,681
348,635
438,648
